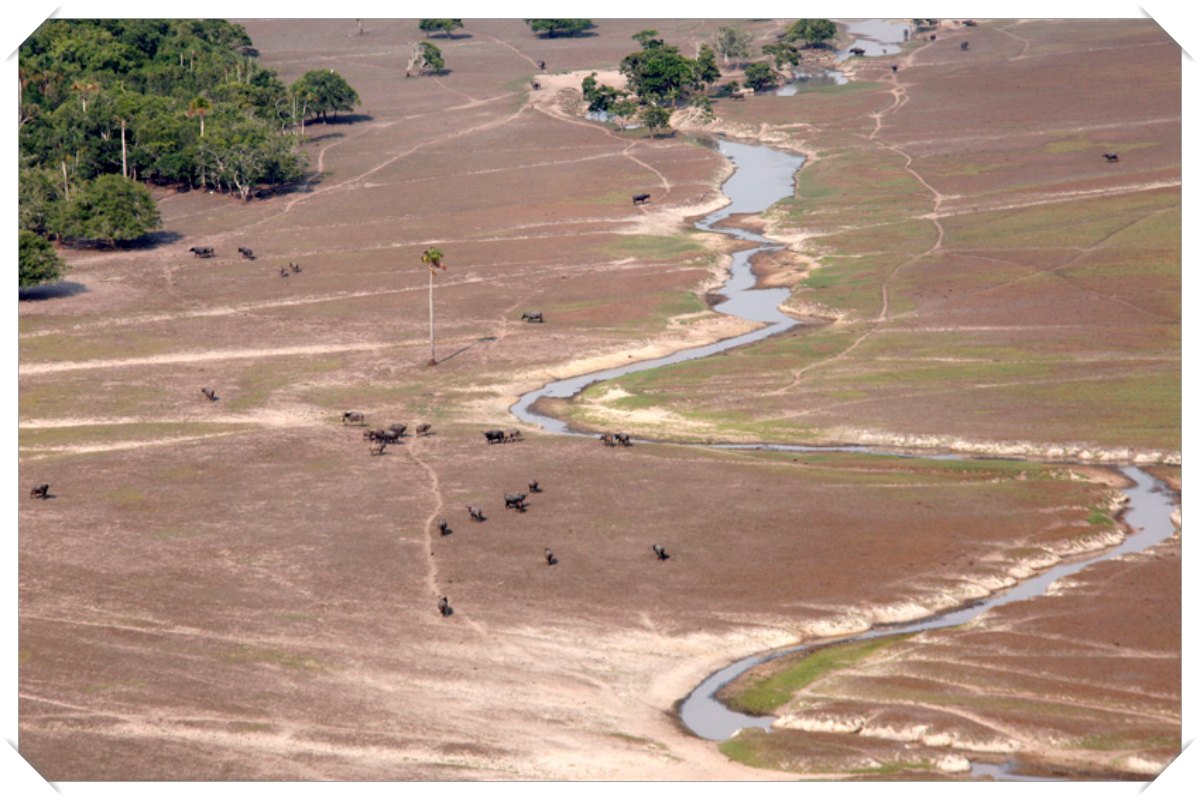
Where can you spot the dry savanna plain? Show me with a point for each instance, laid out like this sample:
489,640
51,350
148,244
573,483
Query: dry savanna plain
240,590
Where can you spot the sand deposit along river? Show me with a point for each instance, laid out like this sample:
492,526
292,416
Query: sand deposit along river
761,178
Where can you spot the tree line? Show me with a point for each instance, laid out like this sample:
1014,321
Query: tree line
107,106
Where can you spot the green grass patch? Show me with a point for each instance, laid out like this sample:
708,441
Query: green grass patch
650,247
765,695
282,658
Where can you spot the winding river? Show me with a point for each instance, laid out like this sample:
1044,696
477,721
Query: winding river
761,178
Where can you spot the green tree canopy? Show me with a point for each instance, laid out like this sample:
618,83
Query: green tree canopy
559,27
647,39
784,53
707,71
112,209
760,76
656,118
660,74
446,27
324,91
810,31
38,261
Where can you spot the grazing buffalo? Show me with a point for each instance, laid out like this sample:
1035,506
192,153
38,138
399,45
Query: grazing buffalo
660,552
283,273
857,51
542,66
353,416
550,559
534,488
247,253
399,428
516,501
378,447
933,37
970,23
533,316
383,435
202,252
1111,157
623,439
424,429
444,607
494,437
965,46
40,492
211,394
444,527
535,85
513,435
608,439
639,199
294,267
476,513
895,67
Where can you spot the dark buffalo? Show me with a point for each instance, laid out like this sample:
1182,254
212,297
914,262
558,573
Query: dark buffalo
40,492
444,527
211,394
857,51
933,37
513,435
535,85
353,416
965,46
494,437
895,67
424,429
542,65
639,199
476,513
533,316
534,488
608,439
294,267
247,253
399,428
444,607
660,552
970,23
550,559
202,252
623,439
1111,157
515,501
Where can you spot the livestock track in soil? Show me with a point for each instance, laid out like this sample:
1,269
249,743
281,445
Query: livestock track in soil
238,590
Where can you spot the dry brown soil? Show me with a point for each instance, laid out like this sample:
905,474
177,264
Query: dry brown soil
239,590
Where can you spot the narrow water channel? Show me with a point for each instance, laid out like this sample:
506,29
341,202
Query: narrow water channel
761,178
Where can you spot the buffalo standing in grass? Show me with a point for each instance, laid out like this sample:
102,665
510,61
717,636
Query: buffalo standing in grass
639,199
202,252
444,607
660,552
550,559
494,437
476,513
357,417
1111,157
211,394
247,253
533,316
444,527
40,492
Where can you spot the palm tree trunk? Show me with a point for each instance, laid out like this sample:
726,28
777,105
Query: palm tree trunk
432,354
124,161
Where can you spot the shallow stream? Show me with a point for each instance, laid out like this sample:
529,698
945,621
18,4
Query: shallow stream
761,178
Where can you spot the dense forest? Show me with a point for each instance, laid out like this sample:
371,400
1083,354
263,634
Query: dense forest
108,106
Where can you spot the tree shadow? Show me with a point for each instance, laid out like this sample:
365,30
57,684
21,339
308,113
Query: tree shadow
153,240
51,291
580,35
324,136
343,119
444,359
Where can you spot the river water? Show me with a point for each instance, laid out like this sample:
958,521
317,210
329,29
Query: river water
761,178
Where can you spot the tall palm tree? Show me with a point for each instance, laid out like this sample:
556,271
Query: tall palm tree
433,258
85,88
199,107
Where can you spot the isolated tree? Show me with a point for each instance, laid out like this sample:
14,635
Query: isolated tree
731,43
324,91
812,32
760,76
432,257
600,97
559,27
112,209
656,118
38,261
424,56
446,27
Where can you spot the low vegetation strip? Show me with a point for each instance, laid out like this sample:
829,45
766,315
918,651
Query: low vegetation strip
763,694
